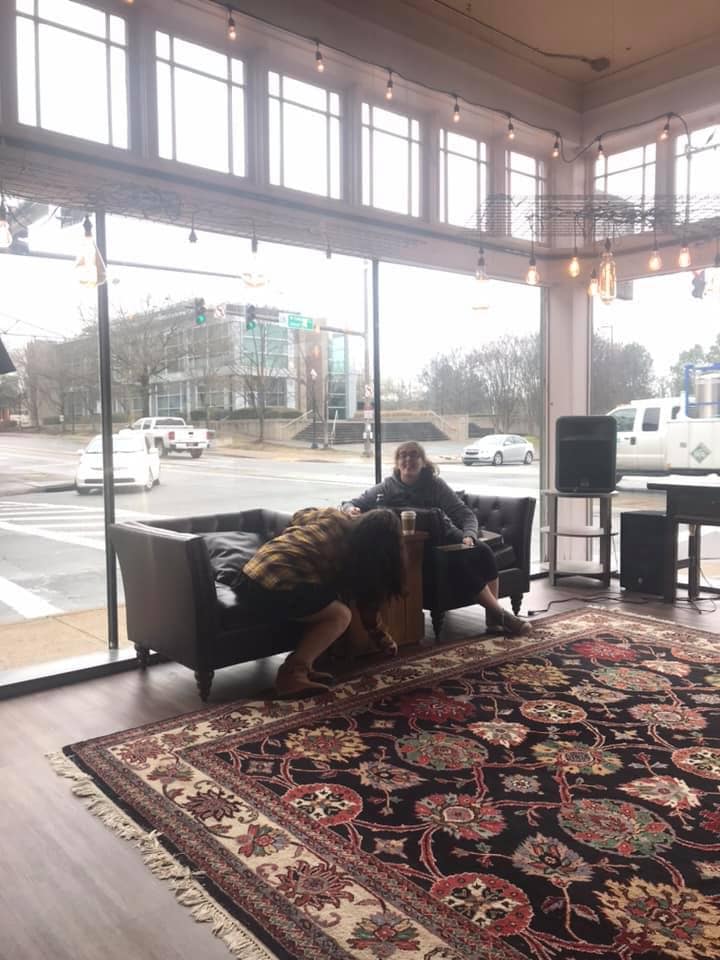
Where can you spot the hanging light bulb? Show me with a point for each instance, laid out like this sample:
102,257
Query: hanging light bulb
601,152
666,129
532,276
319,62
511,129
456,111
574,266
655,261
389,86
89,266
593,285
231,28
607,284
482,283
556,147
328,251
6,237
193,236
684,259
254,277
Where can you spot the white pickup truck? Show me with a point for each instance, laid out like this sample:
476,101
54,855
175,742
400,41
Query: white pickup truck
172,434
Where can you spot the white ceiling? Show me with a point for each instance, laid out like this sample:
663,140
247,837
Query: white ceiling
627,32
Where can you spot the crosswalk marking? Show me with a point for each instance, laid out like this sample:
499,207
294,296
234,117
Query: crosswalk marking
71,524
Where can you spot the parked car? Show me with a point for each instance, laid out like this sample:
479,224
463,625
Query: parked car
497,448
173,435
136,463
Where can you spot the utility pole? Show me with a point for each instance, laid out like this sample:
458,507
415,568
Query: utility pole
367,393
313,378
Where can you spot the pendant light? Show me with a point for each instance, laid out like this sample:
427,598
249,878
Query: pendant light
254,278
655,261
89,266
684,259
532,276
607,282
574,265
482,283
593,285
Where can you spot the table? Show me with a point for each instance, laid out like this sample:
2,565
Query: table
598,570
697,503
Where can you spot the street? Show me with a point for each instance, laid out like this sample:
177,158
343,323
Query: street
52,541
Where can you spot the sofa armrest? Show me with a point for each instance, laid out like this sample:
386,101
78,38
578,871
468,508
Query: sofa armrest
171,603
511,517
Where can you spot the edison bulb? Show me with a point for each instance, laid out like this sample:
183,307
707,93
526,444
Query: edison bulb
532,277
684,260
574,267
655,261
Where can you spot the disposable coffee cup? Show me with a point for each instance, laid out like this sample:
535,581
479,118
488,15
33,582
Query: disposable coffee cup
407,519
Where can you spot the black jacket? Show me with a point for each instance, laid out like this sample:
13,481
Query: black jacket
428,492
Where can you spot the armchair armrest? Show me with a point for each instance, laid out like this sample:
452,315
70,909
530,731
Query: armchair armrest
169,591
511,517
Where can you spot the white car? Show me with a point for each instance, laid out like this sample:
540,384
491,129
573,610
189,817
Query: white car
498,448
136,463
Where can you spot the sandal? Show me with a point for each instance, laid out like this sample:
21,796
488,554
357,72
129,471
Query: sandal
295,679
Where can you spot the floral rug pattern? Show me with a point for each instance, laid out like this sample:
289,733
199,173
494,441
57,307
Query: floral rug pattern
555,797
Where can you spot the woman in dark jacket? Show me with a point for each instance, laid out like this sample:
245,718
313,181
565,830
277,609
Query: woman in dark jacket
415,483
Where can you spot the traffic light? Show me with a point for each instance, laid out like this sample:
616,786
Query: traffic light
250,318
200,316
698,284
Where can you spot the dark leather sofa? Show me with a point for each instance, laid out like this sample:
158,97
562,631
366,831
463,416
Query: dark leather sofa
175,606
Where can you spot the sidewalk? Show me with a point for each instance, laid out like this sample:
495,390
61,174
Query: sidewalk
63,636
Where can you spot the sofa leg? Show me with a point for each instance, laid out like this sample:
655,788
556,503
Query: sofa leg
437,617
204,679
516,603
143,656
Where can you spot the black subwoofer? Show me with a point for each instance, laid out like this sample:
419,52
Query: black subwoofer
585,453
642,538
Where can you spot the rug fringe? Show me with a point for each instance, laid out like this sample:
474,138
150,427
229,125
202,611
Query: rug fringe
180,879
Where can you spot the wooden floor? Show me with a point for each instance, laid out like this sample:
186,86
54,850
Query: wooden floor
71,889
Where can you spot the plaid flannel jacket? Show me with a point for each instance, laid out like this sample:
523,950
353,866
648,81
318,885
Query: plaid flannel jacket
311,550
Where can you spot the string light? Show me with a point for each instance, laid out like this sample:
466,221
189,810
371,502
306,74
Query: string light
6,237
593,285
193,236
574,266
231,29
511,128
600,152
481,300
532,276
607,284
666,129
456,111
655,261
389,86
684,259
319,62
556,147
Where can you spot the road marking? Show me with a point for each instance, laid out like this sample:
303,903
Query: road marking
62,524
24,602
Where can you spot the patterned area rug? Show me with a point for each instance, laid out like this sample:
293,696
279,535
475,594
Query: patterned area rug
555,797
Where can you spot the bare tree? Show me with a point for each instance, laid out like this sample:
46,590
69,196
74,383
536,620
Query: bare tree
59,374
264,358
145,347
499,366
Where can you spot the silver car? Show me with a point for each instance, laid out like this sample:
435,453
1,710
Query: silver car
498,448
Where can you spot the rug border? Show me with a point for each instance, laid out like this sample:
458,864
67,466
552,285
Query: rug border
189,892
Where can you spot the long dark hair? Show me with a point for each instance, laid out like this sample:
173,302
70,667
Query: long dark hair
375,566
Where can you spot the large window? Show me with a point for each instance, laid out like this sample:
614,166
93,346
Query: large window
629,176
201,105
526,186
697,177
463,179
72,70
304,136
391,161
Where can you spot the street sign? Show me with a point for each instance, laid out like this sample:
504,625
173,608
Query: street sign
220,311
296,321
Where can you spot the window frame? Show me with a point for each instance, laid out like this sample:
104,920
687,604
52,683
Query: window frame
110,44
282,100
231,85
481,176
540,176
647,200
414,190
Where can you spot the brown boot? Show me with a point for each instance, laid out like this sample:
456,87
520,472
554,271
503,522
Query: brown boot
508,623
294,680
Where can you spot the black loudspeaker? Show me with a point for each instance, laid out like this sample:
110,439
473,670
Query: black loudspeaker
585,453
642,537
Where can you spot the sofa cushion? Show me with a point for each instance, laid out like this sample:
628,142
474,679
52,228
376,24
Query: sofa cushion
229,552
